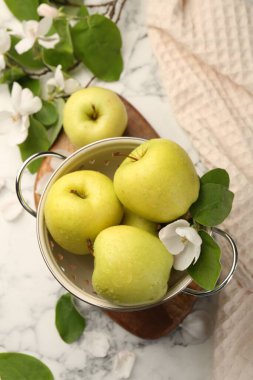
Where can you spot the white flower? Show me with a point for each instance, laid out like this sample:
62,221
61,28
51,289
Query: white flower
35,31
68,86
45,10
182,241
5,44
16,122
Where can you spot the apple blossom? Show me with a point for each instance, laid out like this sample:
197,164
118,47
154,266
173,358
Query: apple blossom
60,84
15,123
46,10
5,44
35,31
183,242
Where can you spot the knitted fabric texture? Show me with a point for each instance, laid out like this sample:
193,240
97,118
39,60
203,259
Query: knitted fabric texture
205,51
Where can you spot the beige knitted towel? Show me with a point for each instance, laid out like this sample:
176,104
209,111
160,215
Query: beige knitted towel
205,51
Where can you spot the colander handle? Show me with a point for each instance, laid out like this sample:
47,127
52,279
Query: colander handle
218,288
32,158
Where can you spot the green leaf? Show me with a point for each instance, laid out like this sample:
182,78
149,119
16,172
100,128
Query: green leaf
56,127
48,114
75,11
213,204
15,366
11,75
69,322
219,176
23,9
97,43
33,84
206,271
37,141
29,60
62,53
83,11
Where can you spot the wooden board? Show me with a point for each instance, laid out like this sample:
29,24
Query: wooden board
159,320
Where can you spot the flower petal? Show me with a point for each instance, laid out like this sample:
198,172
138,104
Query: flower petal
170,238
29,104
45,10
11,208
5,41
190,234
123,364
173,244
97,343
31,28
2,62
44,26
71,85
24,45
196,327
51,85
19,131
50,41
6,122
59,78
25,122
16,93
170,229
189,255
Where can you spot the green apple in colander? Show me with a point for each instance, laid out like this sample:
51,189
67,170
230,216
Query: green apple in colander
157,181
131,266
78,206
131,219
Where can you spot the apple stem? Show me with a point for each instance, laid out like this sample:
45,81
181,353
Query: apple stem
90,247
119,154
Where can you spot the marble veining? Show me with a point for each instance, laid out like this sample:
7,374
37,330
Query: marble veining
28,291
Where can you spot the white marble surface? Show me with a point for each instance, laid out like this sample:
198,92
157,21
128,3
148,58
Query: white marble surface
28,292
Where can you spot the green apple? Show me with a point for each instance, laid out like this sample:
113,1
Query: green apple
78,206
157,181
131,266
131,219
93,114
